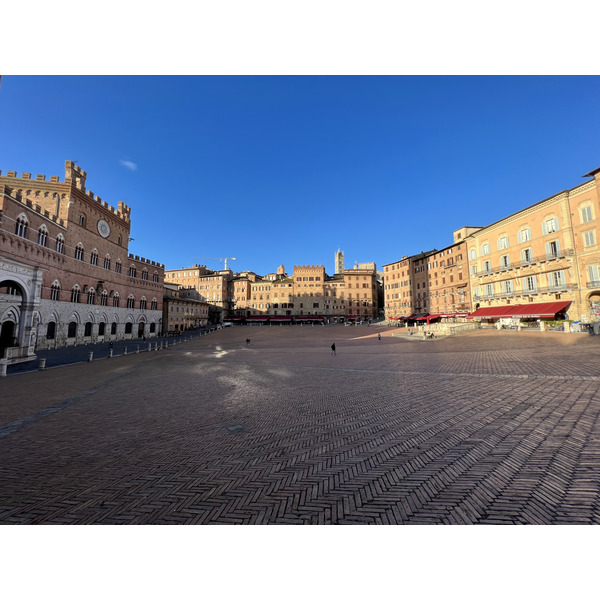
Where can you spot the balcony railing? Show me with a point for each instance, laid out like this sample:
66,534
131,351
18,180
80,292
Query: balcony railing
526,263
540,290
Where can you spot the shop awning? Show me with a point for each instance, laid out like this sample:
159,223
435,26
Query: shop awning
257,318
540,310
281,318
308,318
491,312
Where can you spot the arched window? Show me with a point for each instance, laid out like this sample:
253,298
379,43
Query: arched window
104,298
143,303
21,226
55,290
145,275
130,301
94,257
107,261
113,328
51,331
101,328
152,327
91,296
155,277
60,243
43,236
88,329
72,331
132,271
128,327
116,299
154,304
118,266
79,251
75,293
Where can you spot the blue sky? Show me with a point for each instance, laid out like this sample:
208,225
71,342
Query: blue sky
285,169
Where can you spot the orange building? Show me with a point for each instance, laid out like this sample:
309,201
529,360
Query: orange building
542,262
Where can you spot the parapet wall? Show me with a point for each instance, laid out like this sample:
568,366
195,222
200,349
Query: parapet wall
146,261
74,175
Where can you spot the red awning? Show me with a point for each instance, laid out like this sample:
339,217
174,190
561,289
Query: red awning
281,318
422,318
257,318
491,312
540,310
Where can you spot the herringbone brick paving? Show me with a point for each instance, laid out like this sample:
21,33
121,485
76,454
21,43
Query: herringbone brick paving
491,427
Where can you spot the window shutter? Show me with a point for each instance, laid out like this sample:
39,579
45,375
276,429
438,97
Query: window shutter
519,237
548,250
544,228
557,248
555,221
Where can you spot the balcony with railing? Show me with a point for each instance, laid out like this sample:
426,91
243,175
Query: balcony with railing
526,263
557,289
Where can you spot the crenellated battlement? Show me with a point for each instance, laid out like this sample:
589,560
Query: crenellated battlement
74,175
309,267
146,261
27,177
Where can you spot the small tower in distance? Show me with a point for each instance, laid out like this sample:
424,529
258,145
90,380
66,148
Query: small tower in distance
339,262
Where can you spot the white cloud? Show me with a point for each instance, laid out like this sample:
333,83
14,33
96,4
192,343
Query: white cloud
130,165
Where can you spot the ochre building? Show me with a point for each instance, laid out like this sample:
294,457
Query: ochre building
541,262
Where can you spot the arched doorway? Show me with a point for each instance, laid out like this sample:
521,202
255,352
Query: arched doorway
20,291
594,305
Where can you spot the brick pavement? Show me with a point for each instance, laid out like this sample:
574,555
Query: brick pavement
491,427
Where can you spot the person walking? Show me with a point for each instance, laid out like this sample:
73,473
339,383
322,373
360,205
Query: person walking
379,336
247,341
333,349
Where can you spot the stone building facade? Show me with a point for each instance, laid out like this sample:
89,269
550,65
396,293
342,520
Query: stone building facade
183,309
545,254
215,287
66,276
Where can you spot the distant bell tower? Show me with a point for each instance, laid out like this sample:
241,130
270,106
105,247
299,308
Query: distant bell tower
339,262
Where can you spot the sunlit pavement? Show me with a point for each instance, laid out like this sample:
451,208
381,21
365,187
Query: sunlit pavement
489,427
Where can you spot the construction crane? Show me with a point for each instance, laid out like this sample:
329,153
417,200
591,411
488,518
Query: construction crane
213,258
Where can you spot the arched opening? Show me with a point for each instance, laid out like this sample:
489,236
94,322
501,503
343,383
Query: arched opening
128,327
141,329
51,331
88,329
72,331
594,304
101,328
7,336
152,327
113,328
